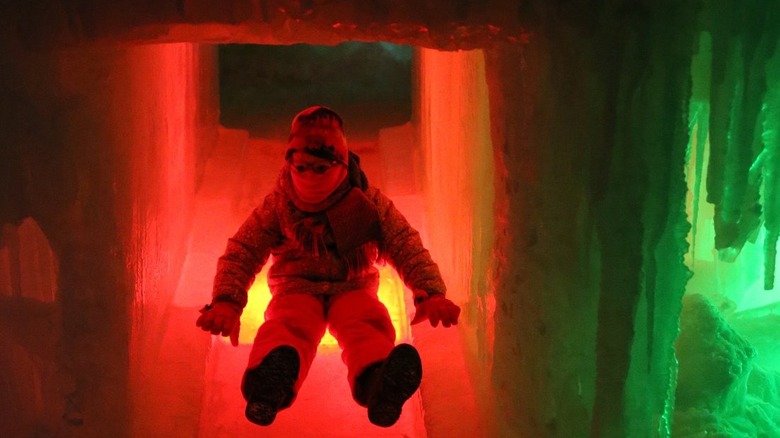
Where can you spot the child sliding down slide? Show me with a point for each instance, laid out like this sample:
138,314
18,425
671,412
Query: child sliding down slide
325,227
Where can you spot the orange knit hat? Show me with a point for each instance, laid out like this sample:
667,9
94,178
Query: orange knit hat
318,131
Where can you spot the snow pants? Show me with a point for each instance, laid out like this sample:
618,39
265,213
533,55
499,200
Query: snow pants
357,319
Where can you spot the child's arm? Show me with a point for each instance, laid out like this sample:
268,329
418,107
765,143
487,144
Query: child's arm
246,253
404,250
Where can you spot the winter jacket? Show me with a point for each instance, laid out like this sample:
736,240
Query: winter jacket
320,262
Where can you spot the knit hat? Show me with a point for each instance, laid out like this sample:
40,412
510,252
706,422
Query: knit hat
318,131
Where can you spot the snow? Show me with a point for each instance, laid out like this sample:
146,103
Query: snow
723,389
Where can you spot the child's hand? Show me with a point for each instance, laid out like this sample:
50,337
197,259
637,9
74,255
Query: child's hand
221,318
437,308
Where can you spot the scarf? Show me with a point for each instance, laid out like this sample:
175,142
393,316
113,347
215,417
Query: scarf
347,213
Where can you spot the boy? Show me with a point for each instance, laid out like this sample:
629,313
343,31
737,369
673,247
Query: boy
325,227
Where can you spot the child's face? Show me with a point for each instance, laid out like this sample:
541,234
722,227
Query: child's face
305,163
315,178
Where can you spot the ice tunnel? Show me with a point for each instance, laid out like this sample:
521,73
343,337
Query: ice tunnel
597,184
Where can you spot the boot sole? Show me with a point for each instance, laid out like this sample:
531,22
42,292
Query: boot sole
269,386
400,377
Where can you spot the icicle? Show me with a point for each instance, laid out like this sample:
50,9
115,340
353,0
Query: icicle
738,89
721,100
770,164
770,253
699,115
702,137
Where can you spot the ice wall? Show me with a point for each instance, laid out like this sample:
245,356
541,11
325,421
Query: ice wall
589,123
169,122
57,171
453,134
101,148
29,328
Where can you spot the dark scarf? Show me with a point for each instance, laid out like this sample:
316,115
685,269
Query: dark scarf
350,216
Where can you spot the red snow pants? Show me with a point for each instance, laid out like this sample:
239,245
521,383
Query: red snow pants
357,319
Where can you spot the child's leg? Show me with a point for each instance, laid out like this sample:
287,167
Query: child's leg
297,320
362,326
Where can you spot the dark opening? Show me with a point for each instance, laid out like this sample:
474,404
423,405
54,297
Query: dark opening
263,86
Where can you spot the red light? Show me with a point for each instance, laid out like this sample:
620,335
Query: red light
391,294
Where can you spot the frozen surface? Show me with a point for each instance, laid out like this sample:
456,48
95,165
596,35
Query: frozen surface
727,386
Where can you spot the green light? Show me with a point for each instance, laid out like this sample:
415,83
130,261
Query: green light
734,147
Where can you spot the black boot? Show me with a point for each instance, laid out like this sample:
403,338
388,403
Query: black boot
390,384
366,383
268,387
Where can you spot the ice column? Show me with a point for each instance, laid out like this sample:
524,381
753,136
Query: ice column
742,42
771,169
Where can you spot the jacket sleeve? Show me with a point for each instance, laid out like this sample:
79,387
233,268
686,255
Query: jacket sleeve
404,250
246,253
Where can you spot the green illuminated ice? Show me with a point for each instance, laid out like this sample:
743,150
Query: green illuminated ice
729,360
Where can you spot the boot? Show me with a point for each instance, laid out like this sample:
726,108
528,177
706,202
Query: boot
387,385
268,387
366,382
